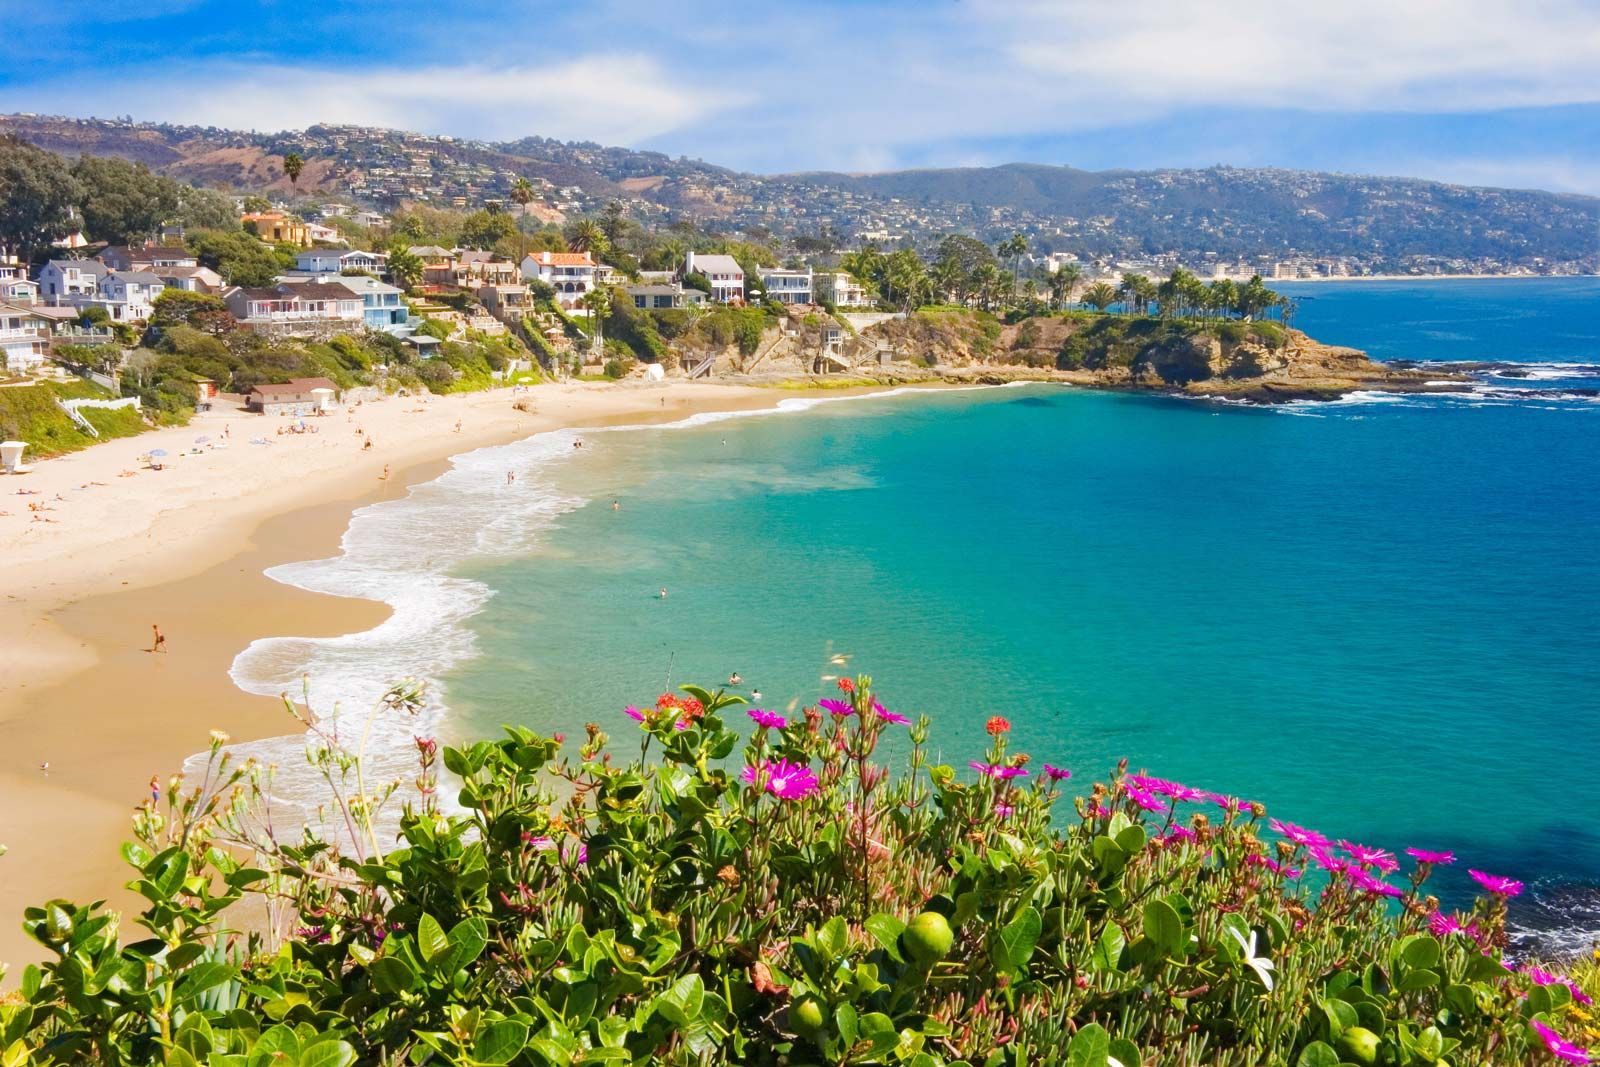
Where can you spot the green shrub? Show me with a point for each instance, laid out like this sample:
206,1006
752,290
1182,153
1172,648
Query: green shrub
770,895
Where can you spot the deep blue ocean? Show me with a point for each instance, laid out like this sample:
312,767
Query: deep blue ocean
1380,617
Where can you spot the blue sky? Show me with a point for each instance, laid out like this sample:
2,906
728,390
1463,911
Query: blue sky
1495,92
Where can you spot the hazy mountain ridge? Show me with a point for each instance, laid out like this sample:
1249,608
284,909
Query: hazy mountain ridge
1218,211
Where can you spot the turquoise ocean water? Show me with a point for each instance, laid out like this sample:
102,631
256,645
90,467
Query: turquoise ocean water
1381,617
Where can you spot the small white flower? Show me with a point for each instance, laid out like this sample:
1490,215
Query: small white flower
1260,964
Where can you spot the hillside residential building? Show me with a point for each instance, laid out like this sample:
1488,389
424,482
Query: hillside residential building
786,286
15,286
506,302
383,307
62,279
324,235
24,338
474,268
723,272
127,295
663,296
334,260
298,396
570,274
276,228
840,290
190,279
146,257
293,303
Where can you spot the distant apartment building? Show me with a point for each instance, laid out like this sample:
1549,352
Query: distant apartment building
570,274
786,286
723,272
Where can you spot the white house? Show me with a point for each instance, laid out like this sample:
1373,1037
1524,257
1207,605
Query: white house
15,286
570,274
127,295
24,338
294,303
335,260
189,279
62,279
723,272
786,286
124,257
663,296
840,290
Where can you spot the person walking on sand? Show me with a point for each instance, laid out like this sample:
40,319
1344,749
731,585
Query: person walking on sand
385,475
155,789
511,476
458,426
160,644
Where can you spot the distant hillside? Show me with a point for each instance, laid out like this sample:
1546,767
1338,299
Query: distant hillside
1224,213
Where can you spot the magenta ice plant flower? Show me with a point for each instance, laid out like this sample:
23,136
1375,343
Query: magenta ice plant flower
1428,855
1559,1047
1298,834
1496,884
783,779
633,713
1371,857
892,716
1056,774
1143,798
1367,883
837,708
770,719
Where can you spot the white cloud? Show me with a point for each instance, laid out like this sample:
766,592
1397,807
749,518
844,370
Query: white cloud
613,99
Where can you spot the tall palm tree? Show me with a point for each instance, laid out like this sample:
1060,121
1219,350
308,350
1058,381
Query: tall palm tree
1063,282
1013,248
293,164
585,235
522,193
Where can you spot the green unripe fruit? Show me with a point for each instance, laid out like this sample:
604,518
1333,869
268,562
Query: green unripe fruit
805,1016
928,938
1357,1044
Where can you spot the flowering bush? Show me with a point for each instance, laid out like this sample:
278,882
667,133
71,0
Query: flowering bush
768,895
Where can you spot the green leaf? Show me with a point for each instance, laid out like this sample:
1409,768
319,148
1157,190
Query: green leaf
391,974
1090,1047
847,1023
431,941
1132,838
681,1004
1317,1054
1429,1044
1125,1053
468,939
1163,927
1418,980
1015,947
328,1054
1420,951
833,937
1341,1016
1107,954
500,1042
885,930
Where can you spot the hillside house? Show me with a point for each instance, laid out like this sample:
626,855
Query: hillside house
189,279
276,228
335,260
840,290
24,338
570,274
723,272
663,296
506,302
383,306
147,257
62,279
291,304
786,286
127,295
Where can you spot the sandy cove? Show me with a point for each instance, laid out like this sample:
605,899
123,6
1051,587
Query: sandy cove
185,548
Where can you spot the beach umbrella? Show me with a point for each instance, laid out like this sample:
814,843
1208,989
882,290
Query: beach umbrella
158,452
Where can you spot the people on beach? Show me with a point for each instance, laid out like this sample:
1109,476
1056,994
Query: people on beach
385,475
155,789
458,426
160,644
511,476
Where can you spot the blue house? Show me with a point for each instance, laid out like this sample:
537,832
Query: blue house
383,305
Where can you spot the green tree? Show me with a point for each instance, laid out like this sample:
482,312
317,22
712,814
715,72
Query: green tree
37,195
405,266
614,223
586,235
1062,282
123,202
1100,296
179,307
205,209
240,258
962,261
485,229
1014,248
293,164
1138,293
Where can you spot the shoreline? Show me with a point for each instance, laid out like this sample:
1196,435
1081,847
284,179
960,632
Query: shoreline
190,554
1430,278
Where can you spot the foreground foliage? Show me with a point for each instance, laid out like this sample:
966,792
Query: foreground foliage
773,898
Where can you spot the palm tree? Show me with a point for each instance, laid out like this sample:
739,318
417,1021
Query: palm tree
585,235
1138,292
1013,247
293,164
1063,282
405,266
1223,296
522,193
1100,296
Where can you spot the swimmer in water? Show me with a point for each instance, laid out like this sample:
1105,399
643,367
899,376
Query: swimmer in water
734,679
663,594
755,694
616,505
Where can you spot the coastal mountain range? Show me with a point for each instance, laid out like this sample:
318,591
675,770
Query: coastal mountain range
1222,212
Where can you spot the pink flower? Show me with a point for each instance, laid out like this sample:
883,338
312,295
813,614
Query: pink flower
1056,774
889,716
1002,810
770,719
1143,798
633,713
784,780
579,855
1376,886
1255,859
1231,805
538,844
1298,834
991,770
1423,855
1371,857
1442,925
837,708
1100,811
1177,833
1559,1047
1496,884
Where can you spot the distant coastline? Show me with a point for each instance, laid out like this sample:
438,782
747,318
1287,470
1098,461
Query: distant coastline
1430,278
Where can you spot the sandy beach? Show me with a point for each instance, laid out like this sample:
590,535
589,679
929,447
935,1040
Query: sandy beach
110,554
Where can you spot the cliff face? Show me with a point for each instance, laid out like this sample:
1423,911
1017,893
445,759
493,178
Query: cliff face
1255,361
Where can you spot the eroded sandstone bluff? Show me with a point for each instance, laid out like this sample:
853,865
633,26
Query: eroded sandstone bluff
1263,362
